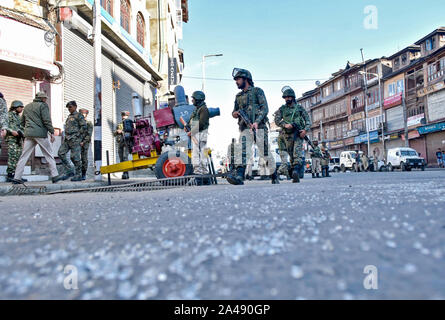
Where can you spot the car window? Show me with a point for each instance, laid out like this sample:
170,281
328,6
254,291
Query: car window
409,153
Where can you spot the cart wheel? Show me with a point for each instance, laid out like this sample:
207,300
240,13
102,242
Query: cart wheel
172,165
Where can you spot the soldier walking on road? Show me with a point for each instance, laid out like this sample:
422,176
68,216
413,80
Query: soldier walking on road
252,102
122,145
75,131
290,117
283,169
36,120
85,144
14,138
316,156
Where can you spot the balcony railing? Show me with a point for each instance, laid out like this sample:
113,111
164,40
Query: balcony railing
437,75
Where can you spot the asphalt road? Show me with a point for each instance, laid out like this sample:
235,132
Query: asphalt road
259,241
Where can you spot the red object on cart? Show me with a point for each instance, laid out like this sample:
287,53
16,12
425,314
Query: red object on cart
163,118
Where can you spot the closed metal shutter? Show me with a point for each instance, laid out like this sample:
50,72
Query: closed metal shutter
129,84
79,86
436,106
394,118
13,89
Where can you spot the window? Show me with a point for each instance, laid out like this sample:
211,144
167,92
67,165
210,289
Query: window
125,15
400,86
404,59
140,24
430,44
396,62
392,89
107,5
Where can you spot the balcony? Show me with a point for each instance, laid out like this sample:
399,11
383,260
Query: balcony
437,76
333,95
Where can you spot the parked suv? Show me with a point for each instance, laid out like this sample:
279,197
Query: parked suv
405,159
334,164
348,160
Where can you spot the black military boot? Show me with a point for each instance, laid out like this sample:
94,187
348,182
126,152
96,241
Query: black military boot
57,178
77,176
84,175
296,174
327,173
236,177
323,172
318,175
313,175
274,177
9,177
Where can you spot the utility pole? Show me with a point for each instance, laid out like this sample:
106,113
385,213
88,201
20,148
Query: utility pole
97,45
405,120
366,102
380,72
321,130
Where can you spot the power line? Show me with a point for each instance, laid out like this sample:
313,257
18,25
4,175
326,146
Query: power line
222,79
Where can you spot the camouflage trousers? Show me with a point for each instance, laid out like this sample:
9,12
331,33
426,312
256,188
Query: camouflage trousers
123,151
316,165
294,149
284,155
14,152
72,145
245,145
84,156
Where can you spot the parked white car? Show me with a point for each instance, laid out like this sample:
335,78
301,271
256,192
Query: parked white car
405,159
348,160
334,164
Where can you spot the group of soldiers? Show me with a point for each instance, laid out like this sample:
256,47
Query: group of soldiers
23,127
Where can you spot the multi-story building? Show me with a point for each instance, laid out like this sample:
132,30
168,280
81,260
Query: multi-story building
49,48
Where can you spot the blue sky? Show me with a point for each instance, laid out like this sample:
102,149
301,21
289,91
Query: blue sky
290,39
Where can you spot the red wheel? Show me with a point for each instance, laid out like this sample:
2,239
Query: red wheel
173,168
172,165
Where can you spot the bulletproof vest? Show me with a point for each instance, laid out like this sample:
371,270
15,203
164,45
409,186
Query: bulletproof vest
249,103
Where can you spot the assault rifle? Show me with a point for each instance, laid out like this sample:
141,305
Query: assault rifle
188,129
297,131
245,118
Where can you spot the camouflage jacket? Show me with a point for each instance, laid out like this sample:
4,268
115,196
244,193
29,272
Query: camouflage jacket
292,114
14,124
316,152
254,103
201,115
3,114
88,132
119,136
75,126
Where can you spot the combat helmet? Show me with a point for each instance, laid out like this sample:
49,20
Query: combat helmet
241,73
16,104
288,92
199,96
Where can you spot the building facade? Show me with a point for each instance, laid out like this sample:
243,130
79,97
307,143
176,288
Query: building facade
64,68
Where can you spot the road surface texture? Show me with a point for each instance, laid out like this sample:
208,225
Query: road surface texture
259,241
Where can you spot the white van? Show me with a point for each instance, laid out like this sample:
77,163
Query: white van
348,160
405,159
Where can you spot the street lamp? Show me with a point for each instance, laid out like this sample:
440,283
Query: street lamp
381,111
204,68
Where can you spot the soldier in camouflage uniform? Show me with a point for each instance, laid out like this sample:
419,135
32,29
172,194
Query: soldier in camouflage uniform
14,138
3,116
253,102
75,130
289,117
123,149
85,144
284,168
316,156
199,126
325,160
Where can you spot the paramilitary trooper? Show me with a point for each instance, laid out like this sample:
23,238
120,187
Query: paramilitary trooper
284,156
122,145
316,156
14,138
252,102
199,125
294,122
325,160
85,144
75,129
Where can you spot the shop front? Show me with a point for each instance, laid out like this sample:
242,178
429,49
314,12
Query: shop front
435,138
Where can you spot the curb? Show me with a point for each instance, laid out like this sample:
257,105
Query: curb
34,188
